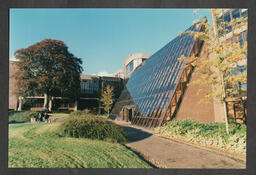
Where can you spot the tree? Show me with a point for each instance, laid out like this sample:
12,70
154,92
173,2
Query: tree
48,68
107,98
222,59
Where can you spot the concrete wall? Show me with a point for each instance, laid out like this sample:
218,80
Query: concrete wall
137,60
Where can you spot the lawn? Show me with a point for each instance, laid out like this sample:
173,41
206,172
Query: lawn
40,146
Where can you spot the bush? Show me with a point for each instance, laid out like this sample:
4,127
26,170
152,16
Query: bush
213,134
92,127
21,116
78,113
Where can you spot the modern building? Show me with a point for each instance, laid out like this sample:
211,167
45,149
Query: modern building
91,88
236,107
132,61
155,90
119,73
226,15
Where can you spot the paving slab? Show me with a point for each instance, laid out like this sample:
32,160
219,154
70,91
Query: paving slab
165,153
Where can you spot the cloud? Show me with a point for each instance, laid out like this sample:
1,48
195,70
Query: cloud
105,74
13,59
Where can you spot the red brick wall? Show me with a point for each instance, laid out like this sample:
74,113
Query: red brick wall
190,108
12,85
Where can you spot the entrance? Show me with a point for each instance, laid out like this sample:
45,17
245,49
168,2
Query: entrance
130,114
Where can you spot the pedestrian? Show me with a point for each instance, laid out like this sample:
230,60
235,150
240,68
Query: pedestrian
40,117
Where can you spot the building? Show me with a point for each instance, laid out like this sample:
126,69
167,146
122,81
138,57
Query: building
91,88
226,15
119,73
132,61
154,91
157,91
13,96
236,107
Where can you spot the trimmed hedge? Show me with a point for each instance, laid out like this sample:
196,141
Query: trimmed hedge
21,116
92,127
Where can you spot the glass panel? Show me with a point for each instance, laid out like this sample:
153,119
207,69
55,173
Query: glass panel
236,13
152,86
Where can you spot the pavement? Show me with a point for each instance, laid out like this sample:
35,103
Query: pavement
166,153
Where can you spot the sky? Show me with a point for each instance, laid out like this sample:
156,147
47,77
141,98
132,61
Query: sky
102,38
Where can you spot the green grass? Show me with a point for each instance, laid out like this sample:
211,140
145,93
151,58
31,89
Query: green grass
21,116
59,115
39,146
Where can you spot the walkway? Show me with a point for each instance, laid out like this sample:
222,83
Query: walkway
165,153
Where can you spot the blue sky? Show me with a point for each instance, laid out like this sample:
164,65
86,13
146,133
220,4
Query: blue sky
103,38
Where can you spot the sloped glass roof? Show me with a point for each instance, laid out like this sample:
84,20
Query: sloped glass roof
152,86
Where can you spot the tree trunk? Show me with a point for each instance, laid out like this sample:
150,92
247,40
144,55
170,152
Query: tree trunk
76,104
225,104
20,104
45,101
50,104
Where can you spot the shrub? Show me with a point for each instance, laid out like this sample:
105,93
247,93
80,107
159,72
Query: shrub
78,113
92,127
213,134
21,116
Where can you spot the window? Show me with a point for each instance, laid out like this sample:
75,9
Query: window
236,13
244,12
129,67
226,17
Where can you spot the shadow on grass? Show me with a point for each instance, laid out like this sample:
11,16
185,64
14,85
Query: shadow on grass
15,122
134,134
60,111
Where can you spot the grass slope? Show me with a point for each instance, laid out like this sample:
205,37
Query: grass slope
38,146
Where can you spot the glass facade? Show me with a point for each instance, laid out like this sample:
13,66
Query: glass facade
89,86
152,86
229,15
241,39
129,68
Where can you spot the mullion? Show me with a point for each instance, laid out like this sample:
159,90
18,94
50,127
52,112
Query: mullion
167,60
177,76
156,80
174,64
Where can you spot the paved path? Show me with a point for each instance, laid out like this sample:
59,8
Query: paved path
166,153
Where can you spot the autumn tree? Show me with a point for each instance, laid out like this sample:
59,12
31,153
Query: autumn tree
107,98
47,68
222,59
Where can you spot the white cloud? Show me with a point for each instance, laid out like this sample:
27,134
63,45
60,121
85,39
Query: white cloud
105,74
13,59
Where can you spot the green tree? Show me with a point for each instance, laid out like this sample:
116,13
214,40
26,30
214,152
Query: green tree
107,98
48,68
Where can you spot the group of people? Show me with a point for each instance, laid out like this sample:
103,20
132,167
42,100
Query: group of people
42,116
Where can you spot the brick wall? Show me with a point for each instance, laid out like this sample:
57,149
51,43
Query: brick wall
12,85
